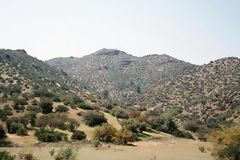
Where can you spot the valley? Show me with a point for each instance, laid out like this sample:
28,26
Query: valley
112,105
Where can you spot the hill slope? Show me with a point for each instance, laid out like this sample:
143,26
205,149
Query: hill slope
210,92
119,75
18,67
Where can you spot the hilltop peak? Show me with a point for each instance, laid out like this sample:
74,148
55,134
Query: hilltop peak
108,52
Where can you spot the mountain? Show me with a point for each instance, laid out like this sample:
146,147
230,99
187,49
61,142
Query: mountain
209,93
118,75
19,68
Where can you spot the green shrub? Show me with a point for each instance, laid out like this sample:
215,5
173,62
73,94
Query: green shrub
2,132
4,155
66,154
4,113
34,108
119,113
191,126
22,131
61,108
14,127
27,156
95,143
202,149
45,135
226,143
78,135
85,106
93,118
42,92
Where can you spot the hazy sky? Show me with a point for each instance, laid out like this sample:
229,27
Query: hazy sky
196,31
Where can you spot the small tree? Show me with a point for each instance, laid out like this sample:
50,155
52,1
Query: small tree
46,105
93,118
53,120
21,131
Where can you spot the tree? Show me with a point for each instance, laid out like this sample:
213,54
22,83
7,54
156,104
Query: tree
93,118
22,131
226,143
53,120
46,105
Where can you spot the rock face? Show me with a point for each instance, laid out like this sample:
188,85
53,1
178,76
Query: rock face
119,73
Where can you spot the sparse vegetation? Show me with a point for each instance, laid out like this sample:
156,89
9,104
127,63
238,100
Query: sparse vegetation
226,143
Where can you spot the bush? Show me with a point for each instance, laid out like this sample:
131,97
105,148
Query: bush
34,102
42,92
50,136
4,155
85,106
95,143
93,118
124,136
133,125
19,104
2,132
4,113
46,105
226,143
72,100
53,120
78,135
34,108
105,133
61,108
191,126
22,131
65,154
119,113
27,156
14,127
202,149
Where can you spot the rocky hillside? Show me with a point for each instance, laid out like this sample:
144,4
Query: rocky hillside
210,93
116,74
17,67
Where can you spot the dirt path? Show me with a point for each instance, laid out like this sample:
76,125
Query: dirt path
159,149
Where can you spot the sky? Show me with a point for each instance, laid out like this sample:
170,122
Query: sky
196,31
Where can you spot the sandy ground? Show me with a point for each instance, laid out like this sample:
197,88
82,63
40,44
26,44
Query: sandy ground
159,149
